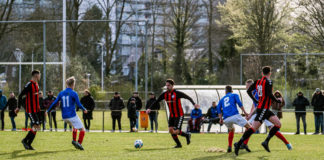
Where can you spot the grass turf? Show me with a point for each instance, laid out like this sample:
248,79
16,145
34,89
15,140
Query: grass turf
57,145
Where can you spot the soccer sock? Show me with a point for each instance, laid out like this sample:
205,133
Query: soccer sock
74,134
230,138
81,135
175,138
32,137
246,141
272,132
280,136
183,134
246,136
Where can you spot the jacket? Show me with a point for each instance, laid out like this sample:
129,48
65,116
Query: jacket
196,113
300,104
48,101
3,102
138,102
212,112
131,110
318,102
88,102
12,105
155,107
41,104
278,106
116,105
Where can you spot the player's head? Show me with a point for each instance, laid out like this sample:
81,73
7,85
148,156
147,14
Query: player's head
36,75
86,92
214,104
70,82
169,83
248,83
152,95
228,89
12,94
266,71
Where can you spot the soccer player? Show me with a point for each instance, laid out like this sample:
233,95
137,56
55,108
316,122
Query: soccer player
32,109
229,115
69,98
263,88
173,99
268,124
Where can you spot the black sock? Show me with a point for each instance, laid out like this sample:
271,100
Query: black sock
272,132
175,138
184,134
33,134
246,135
28,137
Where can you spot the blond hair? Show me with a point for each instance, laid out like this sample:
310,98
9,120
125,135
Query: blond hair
70,81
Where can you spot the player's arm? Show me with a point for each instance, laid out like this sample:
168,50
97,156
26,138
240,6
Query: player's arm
268,91
219,110
251,112
185,96
250,90
238,101
54,103
23,92
75,95
161,97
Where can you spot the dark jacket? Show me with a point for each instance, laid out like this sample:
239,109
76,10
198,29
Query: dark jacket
48,101
278,106
155,107
212,112
116,105
138,102
300,104
41,104
89,104
318,102
12,105
131,110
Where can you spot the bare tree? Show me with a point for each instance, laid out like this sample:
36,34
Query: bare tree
5,13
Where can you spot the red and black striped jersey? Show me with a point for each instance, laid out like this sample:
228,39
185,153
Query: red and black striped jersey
263,88
173,99
32,100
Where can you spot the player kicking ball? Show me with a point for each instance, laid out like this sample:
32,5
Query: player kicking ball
229,115
69,98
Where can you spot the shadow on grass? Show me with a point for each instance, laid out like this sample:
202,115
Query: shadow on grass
148,149
17,153
229,156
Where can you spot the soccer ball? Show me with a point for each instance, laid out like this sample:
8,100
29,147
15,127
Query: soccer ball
138,144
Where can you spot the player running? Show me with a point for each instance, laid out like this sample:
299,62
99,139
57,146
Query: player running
228,111
263,88
32,109
69,98
268,124
173,99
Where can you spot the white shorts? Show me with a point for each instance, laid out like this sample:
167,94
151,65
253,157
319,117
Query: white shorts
236,119
75,122
266,122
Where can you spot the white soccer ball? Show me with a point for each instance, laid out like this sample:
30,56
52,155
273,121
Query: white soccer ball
138,144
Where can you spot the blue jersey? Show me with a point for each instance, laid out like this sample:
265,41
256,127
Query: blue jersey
68,99
196,113
228,105
256,96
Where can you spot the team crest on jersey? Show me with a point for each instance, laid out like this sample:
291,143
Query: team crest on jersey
172,96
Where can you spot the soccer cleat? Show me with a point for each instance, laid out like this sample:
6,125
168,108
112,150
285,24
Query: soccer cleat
30,148
75,143
246,147
178,146
188,137
229,149
265,146
26,146
289,146
79,146
237,149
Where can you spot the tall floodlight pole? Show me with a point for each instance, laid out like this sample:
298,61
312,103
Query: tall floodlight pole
146,66
88,75
136,54
19,54
64,44
286,46
44,57
102,65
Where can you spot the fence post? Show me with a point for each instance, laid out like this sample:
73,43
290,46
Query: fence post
103,121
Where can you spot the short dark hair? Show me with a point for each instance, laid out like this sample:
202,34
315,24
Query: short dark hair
35,72
228,89
266,70
171,81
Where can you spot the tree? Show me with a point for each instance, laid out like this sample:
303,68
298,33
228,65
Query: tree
5,13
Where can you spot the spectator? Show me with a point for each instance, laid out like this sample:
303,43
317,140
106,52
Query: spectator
277,107
26,115
42,112
212,116
65,126
318,103
131,108
138,105
88,103
153,115
300,104
196,117
3,104
12,105
116,105
52,114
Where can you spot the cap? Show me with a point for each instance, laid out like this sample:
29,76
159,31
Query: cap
318,90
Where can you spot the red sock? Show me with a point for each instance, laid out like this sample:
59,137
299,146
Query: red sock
280,136
230,138
81,135
74,134
246,141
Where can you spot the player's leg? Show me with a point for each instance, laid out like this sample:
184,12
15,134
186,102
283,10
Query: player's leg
54,120
231,132
178,131
77,124
50,120
277,124
175,137
28,140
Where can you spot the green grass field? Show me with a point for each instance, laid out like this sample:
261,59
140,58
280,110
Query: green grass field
57,145
288,121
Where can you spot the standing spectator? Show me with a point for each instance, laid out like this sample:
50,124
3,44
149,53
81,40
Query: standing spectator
196,117
88,103
131,111
318,103
212,116
42,113
300,104
65,126
52,114
3,104
138,105
276,108
116,105
12,105
153,115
